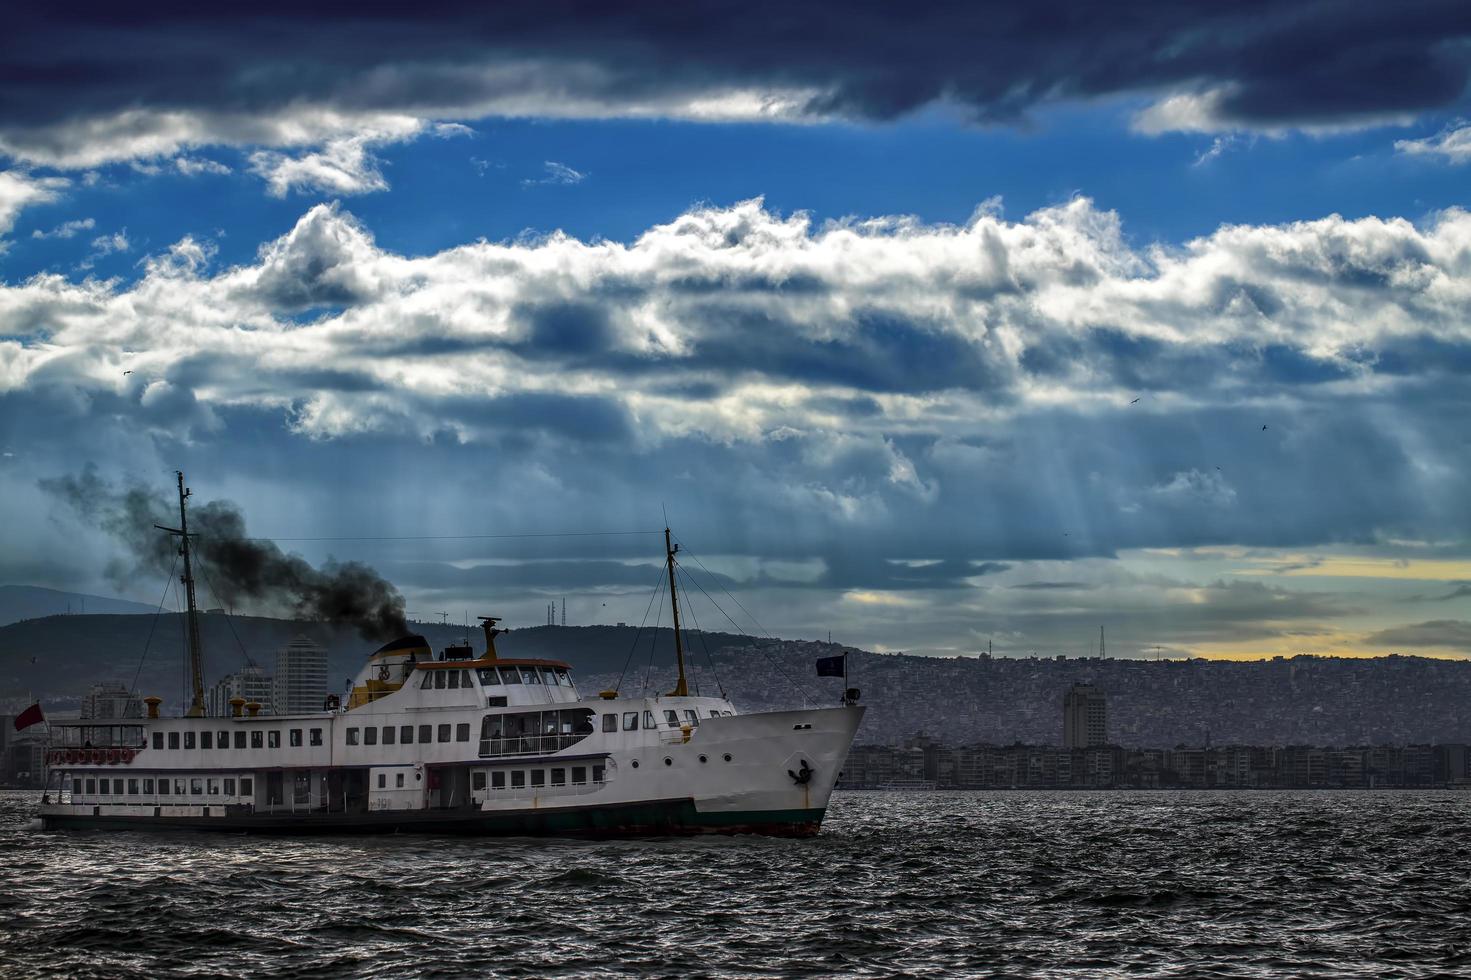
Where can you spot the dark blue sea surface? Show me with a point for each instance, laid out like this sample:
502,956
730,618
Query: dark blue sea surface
1201,884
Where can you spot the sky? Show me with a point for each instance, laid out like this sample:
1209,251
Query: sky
936,327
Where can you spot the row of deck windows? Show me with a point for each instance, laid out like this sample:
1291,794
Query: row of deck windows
538,777
163,786
496,677
404,734
671,720
257,739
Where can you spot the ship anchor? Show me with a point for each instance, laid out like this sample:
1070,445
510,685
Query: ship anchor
802,776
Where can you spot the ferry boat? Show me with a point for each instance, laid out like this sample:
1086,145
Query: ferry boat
454,743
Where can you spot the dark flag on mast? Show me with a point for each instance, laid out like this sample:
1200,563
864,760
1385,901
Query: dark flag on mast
832,666
30,716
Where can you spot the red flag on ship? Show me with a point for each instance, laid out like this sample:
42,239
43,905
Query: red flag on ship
30,716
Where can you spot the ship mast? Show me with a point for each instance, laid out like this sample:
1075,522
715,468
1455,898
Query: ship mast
682,688
196,654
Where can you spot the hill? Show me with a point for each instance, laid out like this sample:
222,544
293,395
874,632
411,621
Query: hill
19,602
1298,700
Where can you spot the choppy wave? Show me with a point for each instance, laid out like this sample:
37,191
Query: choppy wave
1078,884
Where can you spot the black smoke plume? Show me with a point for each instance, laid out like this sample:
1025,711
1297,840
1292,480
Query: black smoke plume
235,568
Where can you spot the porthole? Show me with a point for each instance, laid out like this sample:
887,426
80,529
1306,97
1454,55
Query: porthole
703,759
668,761
727,757
635,763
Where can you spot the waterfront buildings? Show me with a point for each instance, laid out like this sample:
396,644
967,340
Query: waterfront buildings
250,682
111,700
300,682
1084,717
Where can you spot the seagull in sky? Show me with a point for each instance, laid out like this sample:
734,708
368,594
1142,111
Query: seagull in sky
1264,428
127,372
1136,401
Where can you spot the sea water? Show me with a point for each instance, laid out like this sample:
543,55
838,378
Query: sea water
1192,884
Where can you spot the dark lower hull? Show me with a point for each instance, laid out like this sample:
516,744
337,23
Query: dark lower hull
659,818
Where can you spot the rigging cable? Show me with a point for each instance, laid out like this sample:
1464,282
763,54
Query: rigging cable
806,695
639,632
168,584
704,644
229,620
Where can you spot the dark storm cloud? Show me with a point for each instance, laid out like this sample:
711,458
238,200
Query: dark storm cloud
1268,63
1452,633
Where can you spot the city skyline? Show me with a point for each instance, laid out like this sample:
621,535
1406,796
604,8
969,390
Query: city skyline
1006,331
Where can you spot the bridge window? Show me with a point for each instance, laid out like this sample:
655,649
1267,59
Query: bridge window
597,774
388,732
559,777
465,679
352,736
163,787
179,788
497,780
316,738
610,723
489,677
444,732
398,780
510,675
257,739
293,738
196,786
188,740
496,701
563,677
383,780
671,718
538,777
158,740
549,676
147,787
439,680
649,720
213,786
428,680
91,787
222,740
426,734
247,787
406,735
132,787
579,775
370,736
239,740
454,678
229,786
691,717
530,676
518,779
630,721
273,738
173,740
477,779
462,732
206,740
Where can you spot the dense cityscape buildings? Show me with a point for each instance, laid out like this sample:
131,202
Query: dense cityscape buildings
300,682
1084,717
111,700
249,683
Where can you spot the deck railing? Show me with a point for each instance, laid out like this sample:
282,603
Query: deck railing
527,745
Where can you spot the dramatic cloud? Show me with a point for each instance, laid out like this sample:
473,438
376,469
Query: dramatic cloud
1452,634
1453,144
880,412
19,190
155,84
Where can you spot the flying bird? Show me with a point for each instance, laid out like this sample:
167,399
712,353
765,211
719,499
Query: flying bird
1264,428
127,372
1136,401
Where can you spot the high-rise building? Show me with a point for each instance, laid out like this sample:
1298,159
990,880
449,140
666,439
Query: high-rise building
1084,717
250,682
111,701
300,684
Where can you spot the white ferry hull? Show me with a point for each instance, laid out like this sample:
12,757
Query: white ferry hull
769,773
